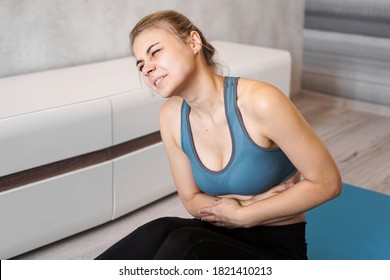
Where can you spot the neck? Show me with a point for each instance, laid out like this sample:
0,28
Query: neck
205,93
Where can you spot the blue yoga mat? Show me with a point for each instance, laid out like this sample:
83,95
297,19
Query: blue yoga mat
354,226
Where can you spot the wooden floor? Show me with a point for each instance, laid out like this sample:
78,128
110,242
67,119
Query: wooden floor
357,135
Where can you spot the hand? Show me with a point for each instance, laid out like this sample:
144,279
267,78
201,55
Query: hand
226,210
223,213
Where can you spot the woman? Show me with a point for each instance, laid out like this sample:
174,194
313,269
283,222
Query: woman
237,149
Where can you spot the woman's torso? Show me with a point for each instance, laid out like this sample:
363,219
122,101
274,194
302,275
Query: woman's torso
250,169
246,166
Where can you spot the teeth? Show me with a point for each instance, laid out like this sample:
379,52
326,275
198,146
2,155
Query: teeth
159,80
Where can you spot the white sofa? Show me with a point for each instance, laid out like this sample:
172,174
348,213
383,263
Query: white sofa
80,146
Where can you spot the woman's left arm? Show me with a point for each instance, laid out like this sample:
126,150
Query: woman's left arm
285,126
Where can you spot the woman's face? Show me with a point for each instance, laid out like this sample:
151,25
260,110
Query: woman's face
166,64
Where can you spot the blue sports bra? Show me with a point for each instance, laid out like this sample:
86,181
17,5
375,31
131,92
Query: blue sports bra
251,169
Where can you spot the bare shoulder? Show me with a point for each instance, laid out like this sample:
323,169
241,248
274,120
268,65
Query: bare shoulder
261,98
170,110
171,105
170,118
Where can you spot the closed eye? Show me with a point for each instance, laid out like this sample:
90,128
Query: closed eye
155,52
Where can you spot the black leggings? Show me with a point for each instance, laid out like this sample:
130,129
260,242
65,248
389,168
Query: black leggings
174,238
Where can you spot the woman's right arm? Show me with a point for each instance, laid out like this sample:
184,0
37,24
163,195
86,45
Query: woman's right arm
191,196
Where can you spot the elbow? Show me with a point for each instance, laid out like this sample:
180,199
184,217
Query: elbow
330,187
191,210
335,187
192,207
338,189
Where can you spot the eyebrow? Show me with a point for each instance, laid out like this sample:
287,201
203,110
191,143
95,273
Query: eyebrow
147,52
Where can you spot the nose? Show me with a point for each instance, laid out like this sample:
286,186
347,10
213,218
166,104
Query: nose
148,68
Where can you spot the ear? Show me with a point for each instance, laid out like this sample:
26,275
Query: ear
195,42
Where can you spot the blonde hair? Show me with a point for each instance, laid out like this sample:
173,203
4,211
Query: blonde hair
180,26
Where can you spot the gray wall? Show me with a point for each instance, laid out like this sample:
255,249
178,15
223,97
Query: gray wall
39,35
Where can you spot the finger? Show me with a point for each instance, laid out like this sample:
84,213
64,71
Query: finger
210,219
206,211
279,188
282,187
216,202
